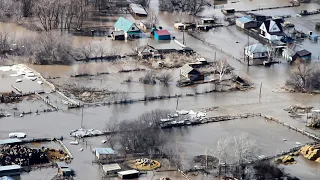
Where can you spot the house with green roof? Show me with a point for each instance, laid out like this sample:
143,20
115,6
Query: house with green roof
130,29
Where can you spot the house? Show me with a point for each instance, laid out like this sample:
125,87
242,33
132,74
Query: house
272,30
189,73
202,62
10,170
118,35
162,35
256,51
111,169
129,174
246,23
129,28
148,51
301,55
137,9
104,153
184,26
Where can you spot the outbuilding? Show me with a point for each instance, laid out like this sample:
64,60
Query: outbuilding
189,73
11,170
118,35
246,23
104,153
137,9
301,55
111,169
129,174
162,35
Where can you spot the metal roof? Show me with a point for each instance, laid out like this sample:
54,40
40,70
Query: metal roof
244,19
111,167
123,24
6,178
10,167
257,48
162,32
138,9
62,165
10,141
133,171
118,33
303,53
104,151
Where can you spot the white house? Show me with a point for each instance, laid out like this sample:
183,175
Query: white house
256,51
271,30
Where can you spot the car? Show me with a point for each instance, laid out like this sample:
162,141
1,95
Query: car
17,135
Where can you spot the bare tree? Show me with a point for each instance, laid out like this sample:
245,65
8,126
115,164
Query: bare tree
135,47
112,127
149,78
165,78
86,51
222,67
192,6
102,52
143,3
300,76
152,19
115,51
6,43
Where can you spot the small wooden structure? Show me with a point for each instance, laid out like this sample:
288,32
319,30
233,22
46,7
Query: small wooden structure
246,23
111,169
104,153
118,35
129,174
189,73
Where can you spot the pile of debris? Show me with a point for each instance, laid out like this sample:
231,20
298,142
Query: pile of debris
297,110
9,97
22,155
81,132
311,152
286,160
206,161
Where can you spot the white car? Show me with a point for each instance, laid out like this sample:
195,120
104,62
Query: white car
17,135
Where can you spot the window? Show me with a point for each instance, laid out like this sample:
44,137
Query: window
132,28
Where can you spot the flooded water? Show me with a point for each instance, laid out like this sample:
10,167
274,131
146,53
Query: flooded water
193,139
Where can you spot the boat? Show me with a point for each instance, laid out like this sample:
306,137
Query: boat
74,142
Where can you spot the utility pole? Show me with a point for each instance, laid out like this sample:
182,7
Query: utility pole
82,117
248,46
183,40
260,90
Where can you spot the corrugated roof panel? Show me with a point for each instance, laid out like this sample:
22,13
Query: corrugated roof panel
244,19
162,32
138,9
104,151
10,141
123,24
10,167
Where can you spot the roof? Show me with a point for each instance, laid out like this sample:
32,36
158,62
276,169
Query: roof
105,151
244,19
111,167
10,141
6,178
66,170
118,33
10,167
303,53
138,9
207,19
162,32
257,48
267,24
62,165
186,69
128,172
314,36
123,24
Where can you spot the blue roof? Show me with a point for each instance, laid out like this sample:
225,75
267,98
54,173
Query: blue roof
6,178
123,24
10,141
105,151
10,167
314,36
245,19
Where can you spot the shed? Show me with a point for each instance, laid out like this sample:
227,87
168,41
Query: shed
162,35
314,37
111,169
11,170
137,9
302,55
256,51
118,35
207,20
103,153
129,174
64,170
246,23
129,28
189,73
10,141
